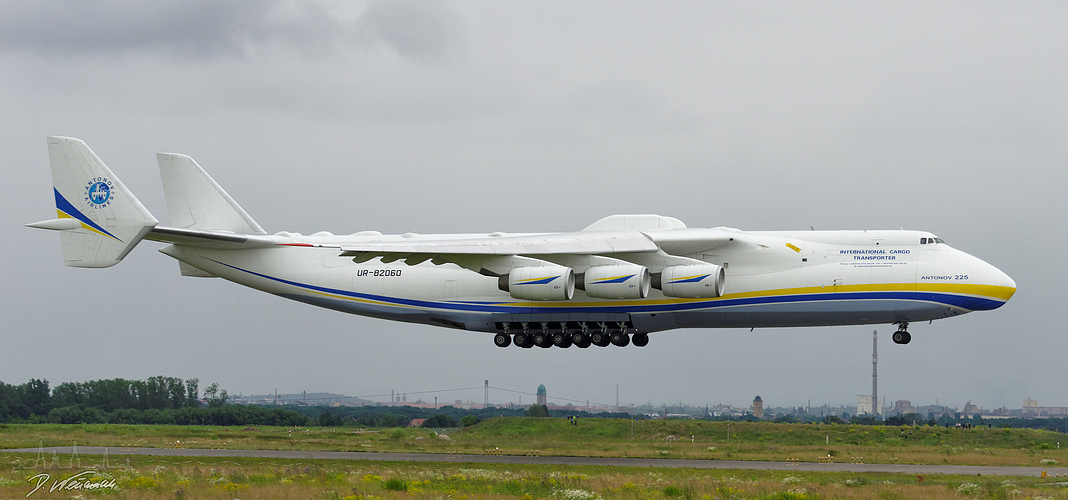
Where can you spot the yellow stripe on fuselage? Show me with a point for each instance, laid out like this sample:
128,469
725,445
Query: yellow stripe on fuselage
1002,293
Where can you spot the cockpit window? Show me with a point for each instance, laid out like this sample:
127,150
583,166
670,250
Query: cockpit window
923,241
930,241
938,240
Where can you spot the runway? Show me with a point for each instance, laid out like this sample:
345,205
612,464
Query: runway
965,470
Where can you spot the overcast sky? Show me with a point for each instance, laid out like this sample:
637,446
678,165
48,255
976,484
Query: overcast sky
437,117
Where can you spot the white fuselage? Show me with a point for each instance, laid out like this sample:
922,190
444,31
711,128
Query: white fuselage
773,279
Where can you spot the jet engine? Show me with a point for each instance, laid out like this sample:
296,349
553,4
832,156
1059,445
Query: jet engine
539,283
703,281
615,282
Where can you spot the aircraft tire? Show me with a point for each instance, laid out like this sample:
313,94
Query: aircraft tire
908,338
899,337
640,339
581,340
599,339
543,340
619,339
502,340
562,339
523,340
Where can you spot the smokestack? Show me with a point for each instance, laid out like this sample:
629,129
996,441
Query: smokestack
875,372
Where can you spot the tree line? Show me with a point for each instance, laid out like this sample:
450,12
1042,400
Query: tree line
156,400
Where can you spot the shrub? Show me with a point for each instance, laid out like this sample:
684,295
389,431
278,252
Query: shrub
395,484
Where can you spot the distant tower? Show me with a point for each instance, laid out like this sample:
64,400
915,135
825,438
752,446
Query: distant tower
758,407
541,394
875,407
485,403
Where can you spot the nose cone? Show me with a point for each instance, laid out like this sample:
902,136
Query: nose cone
1007,283
998,286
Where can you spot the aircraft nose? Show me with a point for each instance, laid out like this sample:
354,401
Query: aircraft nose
1007,282
1005,286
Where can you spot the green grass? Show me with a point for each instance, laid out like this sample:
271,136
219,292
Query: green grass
225,478
594,437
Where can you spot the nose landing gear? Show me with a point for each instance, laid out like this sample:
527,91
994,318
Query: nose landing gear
902,336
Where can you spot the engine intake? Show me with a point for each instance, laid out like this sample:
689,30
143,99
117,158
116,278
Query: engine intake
626,281
703,281
539,283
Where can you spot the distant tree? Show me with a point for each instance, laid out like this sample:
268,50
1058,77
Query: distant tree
80,414
896,420
214,397
36,395
538,411
832,419
866,420
192,398
786,419
330,420
469,420
439,421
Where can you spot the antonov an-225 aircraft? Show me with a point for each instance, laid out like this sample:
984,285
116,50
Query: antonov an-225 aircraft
614,282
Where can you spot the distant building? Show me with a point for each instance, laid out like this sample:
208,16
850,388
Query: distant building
903,407
758,407
416,422
541,394
970,409
865,406
1032,410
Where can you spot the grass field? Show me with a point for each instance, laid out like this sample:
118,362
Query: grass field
137,477
595,437
188,478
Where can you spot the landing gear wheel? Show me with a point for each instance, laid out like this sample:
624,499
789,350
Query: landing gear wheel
581,340
523,340
562,340
902,337
502,340
543,340
620,339
640,339
599,339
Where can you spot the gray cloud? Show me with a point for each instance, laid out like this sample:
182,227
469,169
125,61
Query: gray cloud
416,29
199,28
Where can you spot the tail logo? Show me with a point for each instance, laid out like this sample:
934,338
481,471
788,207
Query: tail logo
98,192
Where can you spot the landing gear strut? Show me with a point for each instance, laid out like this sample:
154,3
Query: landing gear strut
902,336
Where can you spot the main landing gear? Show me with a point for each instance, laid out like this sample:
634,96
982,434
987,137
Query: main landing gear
566,334
902,336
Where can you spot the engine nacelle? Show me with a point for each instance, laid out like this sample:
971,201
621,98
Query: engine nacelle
703,281
539,283
626,281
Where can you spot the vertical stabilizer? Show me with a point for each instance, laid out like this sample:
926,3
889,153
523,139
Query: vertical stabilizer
99,220
196,201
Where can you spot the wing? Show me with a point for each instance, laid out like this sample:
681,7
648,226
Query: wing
498,254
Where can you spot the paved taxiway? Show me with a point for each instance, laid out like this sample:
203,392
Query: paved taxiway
967,470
